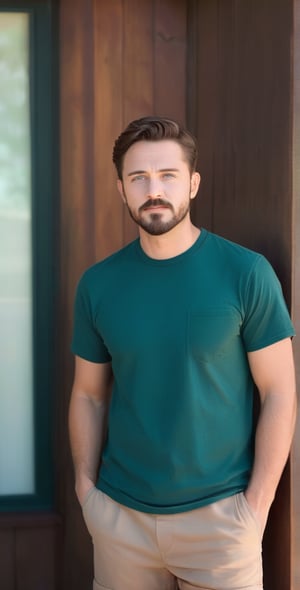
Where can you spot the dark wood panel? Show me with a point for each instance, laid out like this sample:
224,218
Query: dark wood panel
138,86
7,559
170,43
243,122
108,99
29,549
277,539
36,559
77,161
77,251
202,100
18,520
253,175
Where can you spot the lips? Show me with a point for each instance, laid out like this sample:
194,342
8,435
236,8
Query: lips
155,208
155,205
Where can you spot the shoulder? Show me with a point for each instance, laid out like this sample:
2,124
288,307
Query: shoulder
234,254
108,266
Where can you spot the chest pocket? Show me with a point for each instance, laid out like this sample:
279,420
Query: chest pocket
211,334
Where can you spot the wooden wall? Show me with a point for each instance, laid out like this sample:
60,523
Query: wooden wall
241,112
30,551
224,68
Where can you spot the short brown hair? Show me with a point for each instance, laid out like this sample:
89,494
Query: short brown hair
154,129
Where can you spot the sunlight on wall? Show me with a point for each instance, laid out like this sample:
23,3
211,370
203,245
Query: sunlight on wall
16,375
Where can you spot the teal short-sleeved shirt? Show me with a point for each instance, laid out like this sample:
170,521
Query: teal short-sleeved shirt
177,332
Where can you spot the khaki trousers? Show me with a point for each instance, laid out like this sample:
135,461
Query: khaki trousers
216,547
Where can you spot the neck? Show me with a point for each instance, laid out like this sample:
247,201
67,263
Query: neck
170,244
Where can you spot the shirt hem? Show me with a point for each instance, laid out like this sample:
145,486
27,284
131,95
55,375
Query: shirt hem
130,502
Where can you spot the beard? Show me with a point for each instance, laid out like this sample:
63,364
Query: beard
154,224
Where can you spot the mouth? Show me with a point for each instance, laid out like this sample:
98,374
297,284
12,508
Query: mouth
155,207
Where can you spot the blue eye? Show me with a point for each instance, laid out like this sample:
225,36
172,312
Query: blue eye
138,177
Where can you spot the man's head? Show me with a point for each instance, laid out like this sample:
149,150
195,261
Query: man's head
155,159
154,129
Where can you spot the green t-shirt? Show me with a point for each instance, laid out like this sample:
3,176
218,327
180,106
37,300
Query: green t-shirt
177,332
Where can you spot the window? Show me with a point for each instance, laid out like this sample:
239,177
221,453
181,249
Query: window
26,258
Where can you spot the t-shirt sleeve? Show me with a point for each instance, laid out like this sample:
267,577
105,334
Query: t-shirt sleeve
266,318
86,341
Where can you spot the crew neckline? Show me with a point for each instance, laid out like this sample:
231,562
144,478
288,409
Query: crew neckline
174,259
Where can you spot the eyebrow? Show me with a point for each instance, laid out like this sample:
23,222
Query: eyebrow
145,171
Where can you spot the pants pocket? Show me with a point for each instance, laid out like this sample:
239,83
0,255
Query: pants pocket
87,496
246,513
91,508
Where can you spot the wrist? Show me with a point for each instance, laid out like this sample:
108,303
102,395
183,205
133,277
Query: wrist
260,499
83,484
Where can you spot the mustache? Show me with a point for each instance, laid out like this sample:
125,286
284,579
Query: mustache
155,202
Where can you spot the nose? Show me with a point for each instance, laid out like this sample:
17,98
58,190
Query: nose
154,188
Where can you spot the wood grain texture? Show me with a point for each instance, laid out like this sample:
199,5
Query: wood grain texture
7,559
29,551
170,49
108,122
243,122
203,100
37,559
77,251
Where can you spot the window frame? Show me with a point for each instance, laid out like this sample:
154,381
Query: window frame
44,183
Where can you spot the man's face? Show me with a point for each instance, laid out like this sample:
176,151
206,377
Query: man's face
157,185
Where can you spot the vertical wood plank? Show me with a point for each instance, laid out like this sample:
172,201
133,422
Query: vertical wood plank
108,100
277,556
138,82
7,559
254,132
202,100
36,559
138,77
77,121
170,32
77,251
243,123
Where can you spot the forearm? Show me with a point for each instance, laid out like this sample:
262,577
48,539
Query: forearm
87,426
272,445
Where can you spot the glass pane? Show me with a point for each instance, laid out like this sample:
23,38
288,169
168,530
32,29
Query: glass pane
16,360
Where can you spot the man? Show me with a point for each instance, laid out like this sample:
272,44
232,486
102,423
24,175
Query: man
170,334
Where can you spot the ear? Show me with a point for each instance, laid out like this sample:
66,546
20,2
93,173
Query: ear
121,190
195,183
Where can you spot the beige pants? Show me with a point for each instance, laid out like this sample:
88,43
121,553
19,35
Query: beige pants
216,547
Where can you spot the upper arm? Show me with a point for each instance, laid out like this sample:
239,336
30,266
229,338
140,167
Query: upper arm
92,380
273,370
